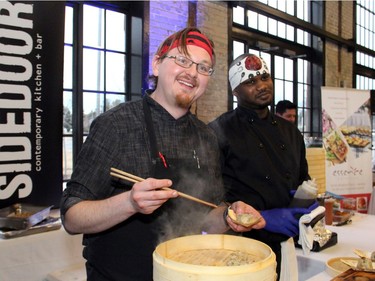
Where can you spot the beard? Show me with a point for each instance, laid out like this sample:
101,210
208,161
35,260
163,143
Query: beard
184,100
262,106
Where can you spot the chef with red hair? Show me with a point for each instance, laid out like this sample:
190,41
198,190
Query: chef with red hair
156,138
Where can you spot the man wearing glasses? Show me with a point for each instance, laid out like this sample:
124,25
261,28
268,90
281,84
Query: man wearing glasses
158,139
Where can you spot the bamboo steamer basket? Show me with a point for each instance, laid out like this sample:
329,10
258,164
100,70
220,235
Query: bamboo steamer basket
167,268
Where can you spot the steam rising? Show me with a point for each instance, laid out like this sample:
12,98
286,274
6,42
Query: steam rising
181,217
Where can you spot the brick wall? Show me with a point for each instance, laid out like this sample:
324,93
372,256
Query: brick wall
213,20
165,18
338,60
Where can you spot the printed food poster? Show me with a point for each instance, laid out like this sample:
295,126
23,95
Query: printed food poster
346,121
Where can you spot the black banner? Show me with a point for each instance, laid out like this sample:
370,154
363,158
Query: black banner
31,101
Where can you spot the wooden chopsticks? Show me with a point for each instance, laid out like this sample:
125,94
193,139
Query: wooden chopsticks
132,178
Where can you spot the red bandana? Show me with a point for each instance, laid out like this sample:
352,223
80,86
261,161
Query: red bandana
193,38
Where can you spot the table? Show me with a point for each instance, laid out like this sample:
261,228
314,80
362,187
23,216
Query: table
357,235
32,257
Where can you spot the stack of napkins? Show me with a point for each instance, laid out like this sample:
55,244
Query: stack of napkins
306,232
289,266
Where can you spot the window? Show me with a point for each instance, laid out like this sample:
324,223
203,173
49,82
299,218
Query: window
285,47
275,27
102,44
304,93
365,30
365,37
365,83
365,59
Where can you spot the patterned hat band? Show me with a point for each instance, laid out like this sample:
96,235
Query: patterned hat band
248,67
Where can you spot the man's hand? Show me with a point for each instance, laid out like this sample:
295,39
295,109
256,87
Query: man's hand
241,208
147,196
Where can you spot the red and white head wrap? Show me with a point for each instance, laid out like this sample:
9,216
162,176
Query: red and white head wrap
246,67
192,38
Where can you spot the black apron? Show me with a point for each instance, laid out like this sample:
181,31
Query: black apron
142,233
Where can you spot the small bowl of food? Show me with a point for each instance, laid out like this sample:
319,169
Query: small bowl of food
340,217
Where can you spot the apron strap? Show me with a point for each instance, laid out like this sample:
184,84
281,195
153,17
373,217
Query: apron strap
150,130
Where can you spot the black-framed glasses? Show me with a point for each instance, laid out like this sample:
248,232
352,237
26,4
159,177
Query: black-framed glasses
185,62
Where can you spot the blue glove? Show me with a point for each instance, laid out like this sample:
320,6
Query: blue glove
284,220
313,206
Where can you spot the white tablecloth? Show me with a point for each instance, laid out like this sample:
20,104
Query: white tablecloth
31,258
358,235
